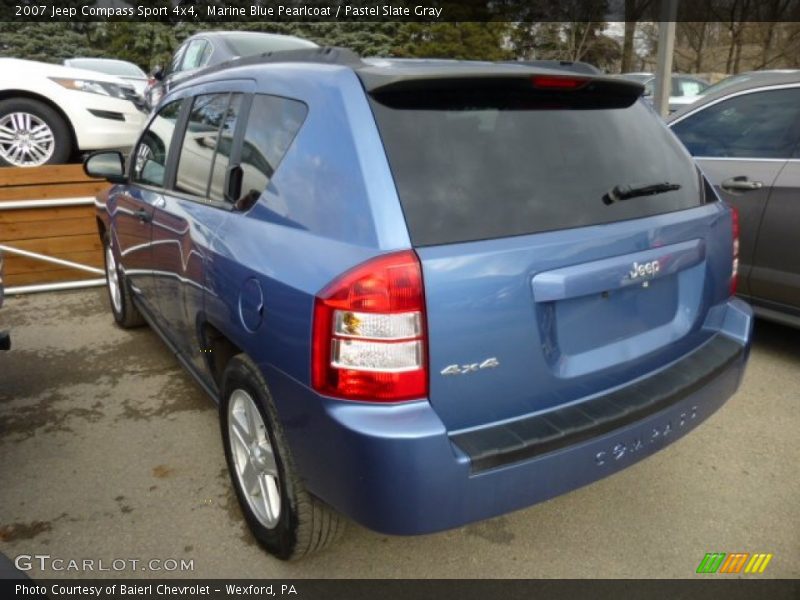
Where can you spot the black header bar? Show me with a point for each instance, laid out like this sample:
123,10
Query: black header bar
430,11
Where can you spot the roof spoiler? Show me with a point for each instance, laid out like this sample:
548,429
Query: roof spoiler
488,88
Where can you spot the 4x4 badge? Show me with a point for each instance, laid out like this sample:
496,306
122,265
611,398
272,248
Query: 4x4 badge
489,363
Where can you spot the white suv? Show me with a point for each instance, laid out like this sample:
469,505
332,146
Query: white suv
48,112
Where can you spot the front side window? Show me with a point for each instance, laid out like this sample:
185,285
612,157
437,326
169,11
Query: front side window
151,154
212,115
754,125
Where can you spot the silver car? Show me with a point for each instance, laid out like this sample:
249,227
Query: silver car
746,139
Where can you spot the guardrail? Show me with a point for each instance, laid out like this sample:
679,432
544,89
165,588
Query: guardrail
47,229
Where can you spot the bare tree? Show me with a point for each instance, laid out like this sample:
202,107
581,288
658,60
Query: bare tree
577,38
770,13
779,44
634,11
736,15
694,37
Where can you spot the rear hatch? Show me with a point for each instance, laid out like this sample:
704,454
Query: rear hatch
556,262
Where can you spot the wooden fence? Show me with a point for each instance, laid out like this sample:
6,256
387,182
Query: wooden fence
48,232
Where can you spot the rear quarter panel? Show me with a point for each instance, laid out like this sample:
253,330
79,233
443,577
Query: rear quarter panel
330,205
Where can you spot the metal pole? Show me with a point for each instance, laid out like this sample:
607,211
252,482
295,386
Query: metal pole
666,46
54,287
48,203
51,259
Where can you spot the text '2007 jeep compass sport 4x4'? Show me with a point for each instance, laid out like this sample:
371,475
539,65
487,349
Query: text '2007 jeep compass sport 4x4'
424,292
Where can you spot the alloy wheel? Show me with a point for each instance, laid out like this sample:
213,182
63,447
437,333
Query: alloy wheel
25,139
254,458
112,274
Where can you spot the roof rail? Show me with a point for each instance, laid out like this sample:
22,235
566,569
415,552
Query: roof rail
330,55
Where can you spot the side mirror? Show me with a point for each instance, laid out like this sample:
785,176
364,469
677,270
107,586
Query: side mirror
158,73
105,165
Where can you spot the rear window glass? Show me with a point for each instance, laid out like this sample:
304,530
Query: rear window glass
250,45
473,166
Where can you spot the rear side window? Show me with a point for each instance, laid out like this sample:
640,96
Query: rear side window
474,165
755,125
206,146
196,56
222,158
271,127
689,87
150,156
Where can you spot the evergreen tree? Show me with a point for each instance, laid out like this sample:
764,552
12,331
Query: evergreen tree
469,41
145,44
45,42
148,44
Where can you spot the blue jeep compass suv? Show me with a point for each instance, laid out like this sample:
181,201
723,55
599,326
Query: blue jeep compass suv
423,292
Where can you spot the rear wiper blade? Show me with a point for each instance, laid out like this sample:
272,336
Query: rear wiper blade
625,192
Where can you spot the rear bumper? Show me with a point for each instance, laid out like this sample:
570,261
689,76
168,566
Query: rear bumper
396,470
562,427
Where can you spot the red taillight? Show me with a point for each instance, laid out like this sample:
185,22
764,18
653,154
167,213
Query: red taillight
735,266
369,341
558,82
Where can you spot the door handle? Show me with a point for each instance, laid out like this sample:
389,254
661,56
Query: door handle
143,215
741,183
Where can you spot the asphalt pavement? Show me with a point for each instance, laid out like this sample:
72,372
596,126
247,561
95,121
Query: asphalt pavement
110,452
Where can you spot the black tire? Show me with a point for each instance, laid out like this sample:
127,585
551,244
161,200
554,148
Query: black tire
305,524
125,314
63,147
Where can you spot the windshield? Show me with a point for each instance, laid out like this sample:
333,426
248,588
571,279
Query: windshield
119,68
250,44
469,169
